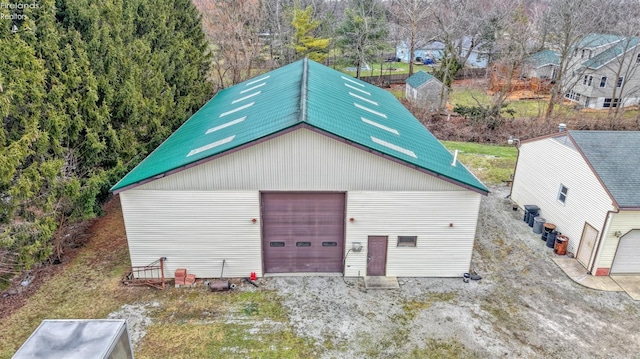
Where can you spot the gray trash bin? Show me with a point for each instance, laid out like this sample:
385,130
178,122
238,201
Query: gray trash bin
537,224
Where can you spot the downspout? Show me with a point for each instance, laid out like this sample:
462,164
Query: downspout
513,180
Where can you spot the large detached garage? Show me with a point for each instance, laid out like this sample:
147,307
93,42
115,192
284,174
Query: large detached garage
302,170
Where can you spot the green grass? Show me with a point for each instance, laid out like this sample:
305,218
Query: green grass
389,68
522,108
490,163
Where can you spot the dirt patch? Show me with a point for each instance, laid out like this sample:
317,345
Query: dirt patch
524,306
88,233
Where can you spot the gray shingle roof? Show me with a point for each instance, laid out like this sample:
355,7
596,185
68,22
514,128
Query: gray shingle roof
615,158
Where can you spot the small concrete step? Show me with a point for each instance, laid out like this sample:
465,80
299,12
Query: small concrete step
381,283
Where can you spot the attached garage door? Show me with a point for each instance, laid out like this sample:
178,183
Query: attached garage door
302,232
627,259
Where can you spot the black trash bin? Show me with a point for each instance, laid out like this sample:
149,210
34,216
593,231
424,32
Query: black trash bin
528,210
532,217
551,238
547,228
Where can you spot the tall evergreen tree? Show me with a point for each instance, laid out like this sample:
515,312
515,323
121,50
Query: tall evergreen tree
304,41
90,89
363,33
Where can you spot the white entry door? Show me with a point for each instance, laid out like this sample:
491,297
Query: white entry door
587,243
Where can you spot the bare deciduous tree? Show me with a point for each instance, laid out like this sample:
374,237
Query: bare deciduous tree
564,24
412,16
233,27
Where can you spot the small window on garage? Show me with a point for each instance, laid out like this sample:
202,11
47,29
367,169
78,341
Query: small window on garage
407,241
303,244
329,244
562,194
276,244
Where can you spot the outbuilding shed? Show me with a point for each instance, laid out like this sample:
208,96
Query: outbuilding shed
302,170
424,90
586,183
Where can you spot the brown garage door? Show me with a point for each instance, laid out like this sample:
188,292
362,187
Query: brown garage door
302,232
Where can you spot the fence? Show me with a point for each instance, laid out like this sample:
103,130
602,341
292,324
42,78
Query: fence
385,80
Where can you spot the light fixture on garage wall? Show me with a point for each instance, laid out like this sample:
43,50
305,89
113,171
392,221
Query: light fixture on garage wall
352,219
253,220
617,234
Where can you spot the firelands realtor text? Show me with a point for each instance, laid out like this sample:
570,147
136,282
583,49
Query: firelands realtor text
16,6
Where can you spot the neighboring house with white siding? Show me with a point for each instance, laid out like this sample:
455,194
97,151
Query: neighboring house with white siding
587,184
302,170
605,72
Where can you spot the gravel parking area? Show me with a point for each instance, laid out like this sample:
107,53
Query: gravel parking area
524,306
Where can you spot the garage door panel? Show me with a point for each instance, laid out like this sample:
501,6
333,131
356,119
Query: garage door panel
308,229
627,259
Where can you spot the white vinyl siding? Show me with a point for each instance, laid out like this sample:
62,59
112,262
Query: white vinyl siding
301,160
544,165
441,250
194,230
622,222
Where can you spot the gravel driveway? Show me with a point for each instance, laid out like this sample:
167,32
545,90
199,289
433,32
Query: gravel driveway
524,306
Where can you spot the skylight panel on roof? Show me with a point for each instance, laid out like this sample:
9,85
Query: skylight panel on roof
225,125
237,109
253,87
378,125
357,89
258,80
352,81
211,145
246,97
370,110
393,147
363,99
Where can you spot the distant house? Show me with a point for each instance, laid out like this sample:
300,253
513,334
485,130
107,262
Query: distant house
430,50
542,65
424,90
586,183
478,54
606,72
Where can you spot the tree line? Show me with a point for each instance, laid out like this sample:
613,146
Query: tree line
250,35
87,90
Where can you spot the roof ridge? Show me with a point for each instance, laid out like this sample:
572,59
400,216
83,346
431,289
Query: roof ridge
304,90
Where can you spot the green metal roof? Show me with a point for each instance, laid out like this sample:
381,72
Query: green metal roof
419,78
596,40
544,58
303,92
603,58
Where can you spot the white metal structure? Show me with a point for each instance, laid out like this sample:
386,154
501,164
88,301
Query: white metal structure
203,215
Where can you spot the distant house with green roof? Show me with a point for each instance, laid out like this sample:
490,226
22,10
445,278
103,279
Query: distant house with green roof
542,65
302,170
606,72
424,90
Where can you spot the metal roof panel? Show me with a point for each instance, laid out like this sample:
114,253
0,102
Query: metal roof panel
304,91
